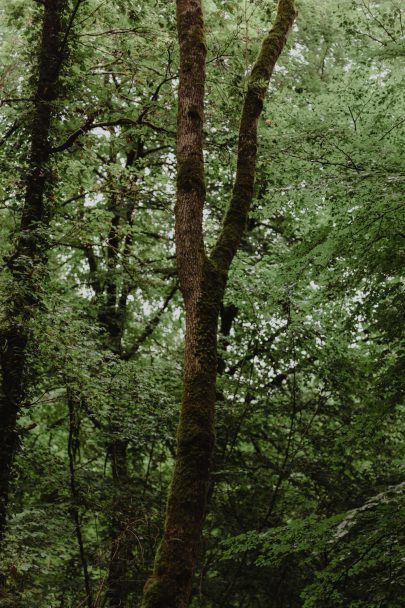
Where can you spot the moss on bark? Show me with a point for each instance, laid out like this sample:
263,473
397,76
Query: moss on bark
171,581
190,175
242,194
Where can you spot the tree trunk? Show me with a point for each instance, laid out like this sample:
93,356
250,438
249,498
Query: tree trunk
121,540
74,402
27,264
112,315
202,282
112,297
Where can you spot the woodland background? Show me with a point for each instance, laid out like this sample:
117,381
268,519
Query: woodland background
306,496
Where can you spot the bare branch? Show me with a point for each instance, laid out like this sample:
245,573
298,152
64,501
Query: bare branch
151,324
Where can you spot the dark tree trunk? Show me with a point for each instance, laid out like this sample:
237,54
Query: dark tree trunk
74,403
202,282
112,315
112,297
27,264
121,539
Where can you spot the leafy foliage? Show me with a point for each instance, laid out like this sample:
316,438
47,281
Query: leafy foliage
306,506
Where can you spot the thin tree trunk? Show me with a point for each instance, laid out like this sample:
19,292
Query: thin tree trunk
112,313
112,308
121,540
113,316
73,445
27,264
202,282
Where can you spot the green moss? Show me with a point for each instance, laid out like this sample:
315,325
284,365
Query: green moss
235,219
158,592
171,579
242,195
191,24
273,43
198,38
190,175
170,584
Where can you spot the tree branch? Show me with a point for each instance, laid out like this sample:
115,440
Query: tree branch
14,127
69,26
151,325
242,195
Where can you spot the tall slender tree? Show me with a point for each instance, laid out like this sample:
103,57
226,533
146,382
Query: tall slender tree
27,263
203,279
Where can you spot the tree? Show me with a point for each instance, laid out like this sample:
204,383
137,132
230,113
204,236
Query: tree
202,282
27,261
305,481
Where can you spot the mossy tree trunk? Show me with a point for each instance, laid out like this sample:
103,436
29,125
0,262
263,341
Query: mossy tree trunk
203,280
120,534
27,264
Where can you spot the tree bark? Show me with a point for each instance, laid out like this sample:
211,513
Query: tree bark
202,282
27,264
